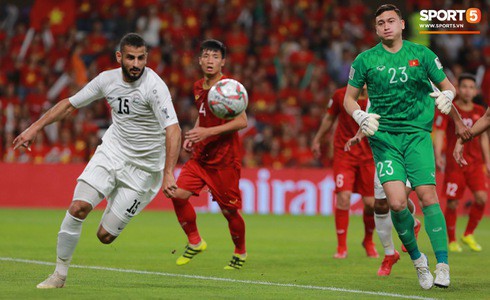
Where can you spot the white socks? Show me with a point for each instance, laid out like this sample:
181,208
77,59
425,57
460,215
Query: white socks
68,237
384,227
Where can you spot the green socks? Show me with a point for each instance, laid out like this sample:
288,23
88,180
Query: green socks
403,223
435,226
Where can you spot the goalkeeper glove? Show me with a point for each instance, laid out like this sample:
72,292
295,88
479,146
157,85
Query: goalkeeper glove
444,100
368,122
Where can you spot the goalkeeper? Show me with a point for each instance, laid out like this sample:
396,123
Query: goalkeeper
399,122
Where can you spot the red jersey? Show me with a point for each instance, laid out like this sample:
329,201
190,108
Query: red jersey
472,151
346,129
220,151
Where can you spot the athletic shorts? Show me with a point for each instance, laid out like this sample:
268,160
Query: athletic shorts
379,192
472,176
223,183
354,177
402,156
127,188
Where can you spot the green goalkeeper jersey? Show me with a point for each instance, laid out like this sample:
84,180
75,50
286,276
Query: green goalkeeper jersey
398,85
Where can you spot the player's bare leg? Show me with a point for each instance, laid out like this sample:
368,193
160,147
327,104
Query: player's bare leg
342,222
187,218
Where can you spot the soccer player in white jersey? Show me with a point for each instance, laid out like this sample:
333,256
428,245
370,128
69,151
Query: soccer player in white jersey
138,151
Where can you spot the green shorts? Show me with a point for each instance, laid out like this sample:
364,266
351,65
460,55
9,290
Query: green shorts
402,156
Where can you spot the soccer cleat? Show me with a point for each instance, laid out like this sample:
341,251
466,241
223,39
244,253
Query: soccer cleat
190,252
442,275
421,264
370,249
471,242
236,262
387,264
455,247
416,228
54,281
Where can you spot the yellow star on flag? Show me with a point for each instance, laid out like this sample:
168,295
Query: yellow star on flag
56,16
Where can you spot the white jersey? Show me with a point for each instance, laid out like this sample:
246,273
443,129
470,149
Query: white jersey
141,110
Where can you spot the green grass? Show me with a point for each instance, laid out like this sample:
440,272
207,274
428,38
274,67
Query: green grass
285,250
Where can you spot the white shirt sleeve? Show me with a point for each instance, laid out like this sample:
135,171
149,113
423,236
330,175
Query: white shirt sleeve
91,92
161,103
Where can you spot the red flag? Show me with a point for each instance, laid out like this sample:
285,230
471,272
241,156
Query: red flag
59,14
413,63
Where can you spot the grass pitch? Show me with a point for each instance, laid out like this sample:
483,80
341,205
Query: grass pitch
290,257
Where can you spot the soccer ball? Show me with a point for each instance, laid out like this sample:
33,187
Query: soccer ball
227,99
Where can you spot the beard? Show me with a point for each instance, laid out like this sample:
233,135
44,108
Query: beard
128,76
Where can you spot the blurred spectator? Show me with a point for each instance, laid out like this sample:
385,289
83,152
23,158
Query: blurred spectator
290,55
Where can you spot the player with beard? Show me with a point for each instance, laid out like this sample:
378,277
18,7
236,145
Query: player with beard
138,153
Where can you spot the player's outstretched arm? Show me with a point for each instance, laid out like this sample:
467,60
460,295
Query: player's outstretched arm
327,123
172,149
198,134
54,114
368,122
482,124
485,148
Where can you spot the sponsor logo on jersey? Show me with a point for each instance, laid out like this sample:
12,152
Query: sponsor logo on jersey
414,63
197,97
381,68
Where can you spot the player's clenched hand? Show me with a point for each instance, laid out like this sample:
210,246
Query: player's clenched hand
188,145
458,153
169,187
197,134
444,100
463,132
25,139
368,122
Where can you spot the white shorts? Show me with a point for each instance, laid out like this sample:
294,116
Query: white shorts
127,188
379,193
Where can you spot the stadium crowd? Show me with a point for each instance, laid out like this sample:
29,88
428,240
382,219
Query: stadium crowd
290,55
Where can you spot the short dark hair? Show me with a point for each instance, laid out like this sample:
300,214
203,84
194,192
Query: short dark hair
132,39
464,76
388,7
214,45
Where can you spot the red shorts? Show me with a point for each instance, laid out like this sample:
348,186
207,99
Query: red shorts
223,183
358,178
456,180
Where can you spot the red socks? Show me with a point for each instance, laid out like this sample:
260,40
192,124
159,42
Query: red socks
236,224
450,215
187,219
476,213
341,225
368,226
